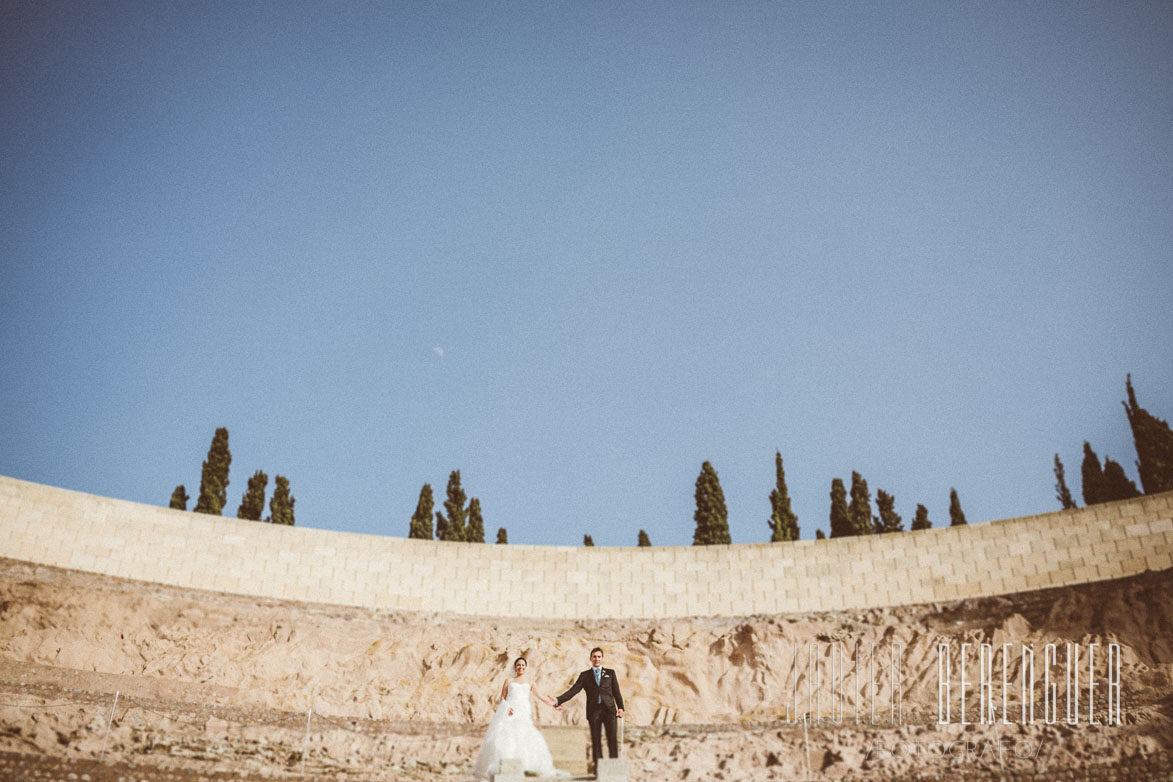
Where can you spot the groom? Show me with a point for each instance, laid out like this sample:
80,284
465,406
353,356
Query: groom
604,702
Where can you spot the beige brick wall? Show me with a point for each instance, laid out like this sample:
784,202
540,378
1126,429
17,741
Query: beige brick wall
73,530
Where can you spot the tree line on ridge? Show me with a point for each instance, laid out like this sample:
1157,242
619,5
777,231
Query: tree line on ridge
214,489
462,519
1154,462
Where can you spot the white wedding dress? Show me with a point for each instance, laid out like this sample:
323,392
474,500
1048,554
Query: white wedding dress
515,736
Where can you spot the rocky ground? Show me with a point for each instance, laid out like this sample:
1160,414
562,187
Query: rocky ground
218,686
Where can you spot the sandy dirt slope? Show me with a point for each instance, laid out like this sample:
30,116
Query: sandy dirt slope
212,681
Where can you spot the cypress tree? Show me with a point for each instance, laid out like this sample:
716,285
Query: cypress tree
453,527
1117,486
1062,493
922,518
783,520
840,521
859,511
502,536
179,498
421,520
1092,475
214,476
281,504
956,515
587,540
888,520
252,504
1154,445
819,535
711,516
476,523
642,540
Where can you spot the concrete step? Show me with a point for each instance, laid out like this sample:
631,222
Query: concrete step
570,746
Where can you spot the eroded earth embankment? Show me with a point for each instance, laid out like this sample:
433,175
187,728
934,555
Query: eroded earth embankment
212,682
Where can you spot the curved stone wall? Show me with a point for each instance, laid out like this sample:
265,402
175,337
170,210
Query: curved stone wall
69,529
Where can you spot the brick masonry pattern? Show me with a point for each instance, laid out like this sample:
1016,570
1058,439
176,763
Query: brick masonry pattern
69,529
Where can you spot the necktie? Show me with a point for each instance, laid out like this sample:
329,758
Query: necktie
597,672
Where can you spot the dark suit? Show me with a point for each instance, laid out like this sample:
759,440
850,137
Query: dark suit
602,701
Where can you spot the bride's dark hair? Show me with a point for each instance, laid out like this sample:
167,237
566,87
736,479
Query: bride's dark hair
521,659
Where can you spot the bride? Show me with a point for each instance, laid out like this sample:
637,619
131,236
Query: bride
511,732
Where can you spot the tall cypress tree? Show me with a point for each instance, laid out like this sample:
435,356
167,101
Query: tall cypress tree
922,518
859,511
783,520
281,504
421,520
840,520
711,516
1154,445
179,498
476,522
888,520
502,536
642,540
252,504
956,514
214,476
1062,493
1092,475
587,540
453,526
1117,486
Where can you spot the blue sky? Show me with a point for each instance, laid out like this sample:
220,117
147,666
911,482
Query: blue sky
576,249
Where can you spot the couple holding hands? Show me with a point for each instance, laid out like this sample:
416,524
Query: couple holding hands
512,733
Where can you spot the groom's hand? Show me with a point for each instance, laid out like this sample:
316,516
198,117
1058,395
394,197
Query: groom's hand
558,707
619,713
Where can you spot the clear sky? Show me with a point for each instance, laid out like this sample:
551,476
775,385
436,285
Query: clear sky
576,249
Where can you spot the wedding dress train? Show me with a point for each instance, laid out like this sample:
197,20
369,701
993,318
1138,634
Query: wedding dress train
515,736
